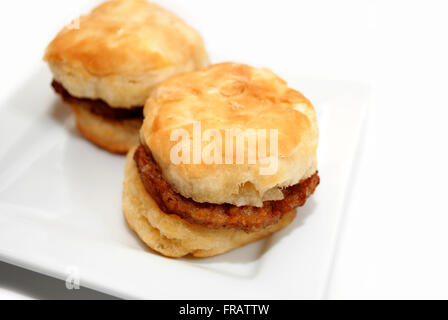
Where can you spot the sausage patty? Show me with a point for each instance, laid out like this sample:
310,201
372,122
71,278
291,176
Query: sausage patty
98,107
247,218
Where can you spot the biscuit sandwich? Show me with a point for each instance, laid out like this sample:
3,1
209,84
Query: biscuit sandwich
105,65
226,155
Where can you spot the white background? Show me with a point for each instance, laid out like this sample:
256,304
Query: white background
394,238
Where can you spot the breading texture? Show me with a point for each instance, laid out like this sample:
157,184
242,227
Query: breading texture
173,236
247,218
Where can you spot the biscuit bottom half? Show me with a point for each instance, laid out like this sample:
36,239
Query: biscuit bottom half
114,135
173,236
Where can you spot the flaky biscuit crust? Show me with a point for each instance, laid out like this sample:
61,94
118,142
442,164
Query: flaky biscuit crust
121,50
116,136
172,236
229,96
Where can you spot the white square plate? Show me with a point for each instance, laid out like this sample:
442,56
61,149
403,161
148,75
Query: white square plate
60,207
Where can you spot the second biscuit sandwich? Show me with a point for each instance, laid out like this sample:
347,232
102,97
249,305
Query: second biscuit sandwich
106,63
227,154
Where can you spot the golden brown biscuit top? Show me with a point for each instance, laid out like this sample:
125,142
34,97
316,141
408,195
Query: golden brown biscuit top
126,37
226,96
